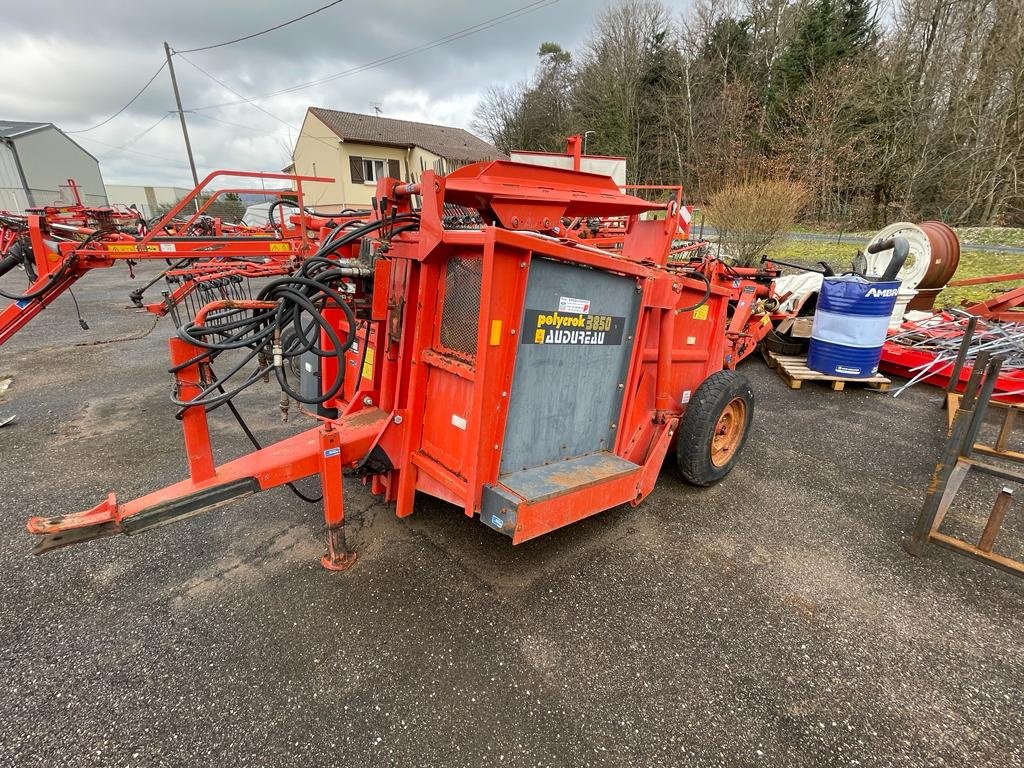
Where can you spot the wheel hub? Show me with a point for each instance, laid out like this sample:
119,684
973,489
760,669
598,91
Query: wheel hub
728,434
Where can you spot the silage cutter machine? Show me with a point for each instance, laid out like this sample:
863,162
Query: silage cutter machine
525,377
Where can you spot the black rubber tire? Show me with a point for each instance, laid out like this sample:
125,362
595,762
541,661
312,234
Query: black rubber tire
784,344
697,428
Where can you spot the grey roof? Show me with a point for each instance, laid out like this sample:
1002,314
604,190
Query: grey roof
446,142
11,128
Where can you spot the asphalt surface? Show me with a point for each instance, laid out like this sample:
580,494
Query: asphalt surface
771,620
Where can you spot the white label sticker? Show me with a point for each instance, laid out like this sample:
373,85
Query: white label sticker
168,247
576,306
459,422
686,396
309,367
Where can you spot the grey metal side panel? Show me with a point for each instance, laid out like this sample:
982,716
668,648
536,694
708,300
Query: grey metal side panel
499,509
9,176
309,375
563,477
566,398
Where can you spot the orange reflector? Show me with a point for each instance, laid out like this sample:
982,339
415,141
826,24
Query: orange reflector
495,332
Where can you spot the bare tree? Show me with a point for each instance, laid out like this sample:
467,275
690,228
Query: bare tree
499,116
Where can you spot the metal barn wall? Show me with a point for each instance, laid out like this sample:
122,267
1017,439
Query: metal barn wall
49,159
9,178
148,199
12,196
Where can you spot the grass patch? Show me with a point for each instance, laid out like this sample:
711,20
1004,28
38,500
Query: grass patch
976,264
1011,236
972,264
991,236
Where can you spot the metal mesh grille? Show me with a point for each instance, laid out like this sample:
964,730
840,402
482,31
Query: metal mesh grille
460,314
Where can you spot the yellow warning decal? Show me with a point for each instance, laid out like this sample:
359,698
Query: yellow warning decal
115,248
701,312
368,364
280,247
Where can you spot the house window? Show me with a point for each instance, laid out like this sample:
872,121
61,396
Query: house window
373,170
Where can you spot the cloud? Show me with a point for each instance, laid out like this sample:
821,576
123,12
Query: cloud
74,64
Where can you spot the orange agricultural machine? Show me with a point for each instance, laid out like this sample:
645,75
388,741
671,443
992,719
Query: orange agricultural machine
460,345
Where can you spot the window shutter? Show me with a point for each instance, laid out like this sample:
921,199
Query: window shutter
356,165
394,169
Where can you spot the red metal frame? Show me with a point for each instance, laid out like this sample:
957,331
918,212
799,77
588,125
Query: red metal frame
59,265
403,407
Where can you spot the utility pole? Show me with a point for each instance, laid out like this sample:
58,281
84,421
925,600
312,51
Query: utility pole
181,114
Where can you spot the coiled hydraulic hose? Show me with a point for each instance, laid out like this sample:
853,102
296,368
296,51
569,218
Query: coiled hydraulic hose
288,322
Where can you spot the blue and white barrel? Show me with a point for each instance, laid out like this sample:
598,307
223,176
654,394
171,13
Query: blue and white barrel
850,325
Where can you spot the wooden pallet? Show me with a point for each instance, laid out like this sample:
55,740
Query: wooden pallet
794,371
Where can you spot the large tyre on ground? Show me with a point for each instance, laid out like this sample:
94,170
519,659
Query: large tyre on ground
714,428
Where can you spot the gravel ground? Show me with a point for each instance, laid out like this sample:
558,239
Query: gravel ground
771,620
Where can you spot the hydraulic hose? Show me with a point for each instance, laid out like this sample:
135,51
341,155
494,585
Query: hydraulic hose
10,261
707,291
285,321
347,213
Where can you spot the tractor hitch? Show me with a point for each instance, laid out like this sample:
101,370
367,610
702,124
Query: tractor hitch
108,518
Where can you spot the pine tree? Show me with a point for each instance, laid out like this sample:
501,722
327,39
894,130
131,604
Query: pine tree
831,32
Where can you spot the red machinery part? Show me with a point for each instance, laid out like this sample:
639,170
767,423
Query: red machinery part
945,254
528,380
907,362
945,247
66,242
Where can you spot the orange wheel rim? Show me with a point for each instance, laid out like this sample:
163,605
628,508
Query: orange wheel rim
728,434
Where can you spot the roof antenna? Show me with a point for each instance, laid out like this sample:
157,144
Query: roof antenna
378,108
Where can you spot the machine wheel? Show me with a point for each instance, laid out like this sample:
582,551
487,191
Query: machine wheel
714,428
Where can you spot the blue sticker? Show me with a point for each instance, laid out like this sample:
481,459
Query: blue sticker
331,452
497,522
23,303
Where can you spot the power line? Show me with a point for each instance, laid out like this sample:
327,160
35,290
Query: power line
122,109
244,99
265,31
136,152
137,137
236,125
449,38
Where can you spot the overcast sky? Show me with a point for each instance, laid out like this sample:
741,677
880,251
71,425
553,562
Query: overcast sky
75,63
